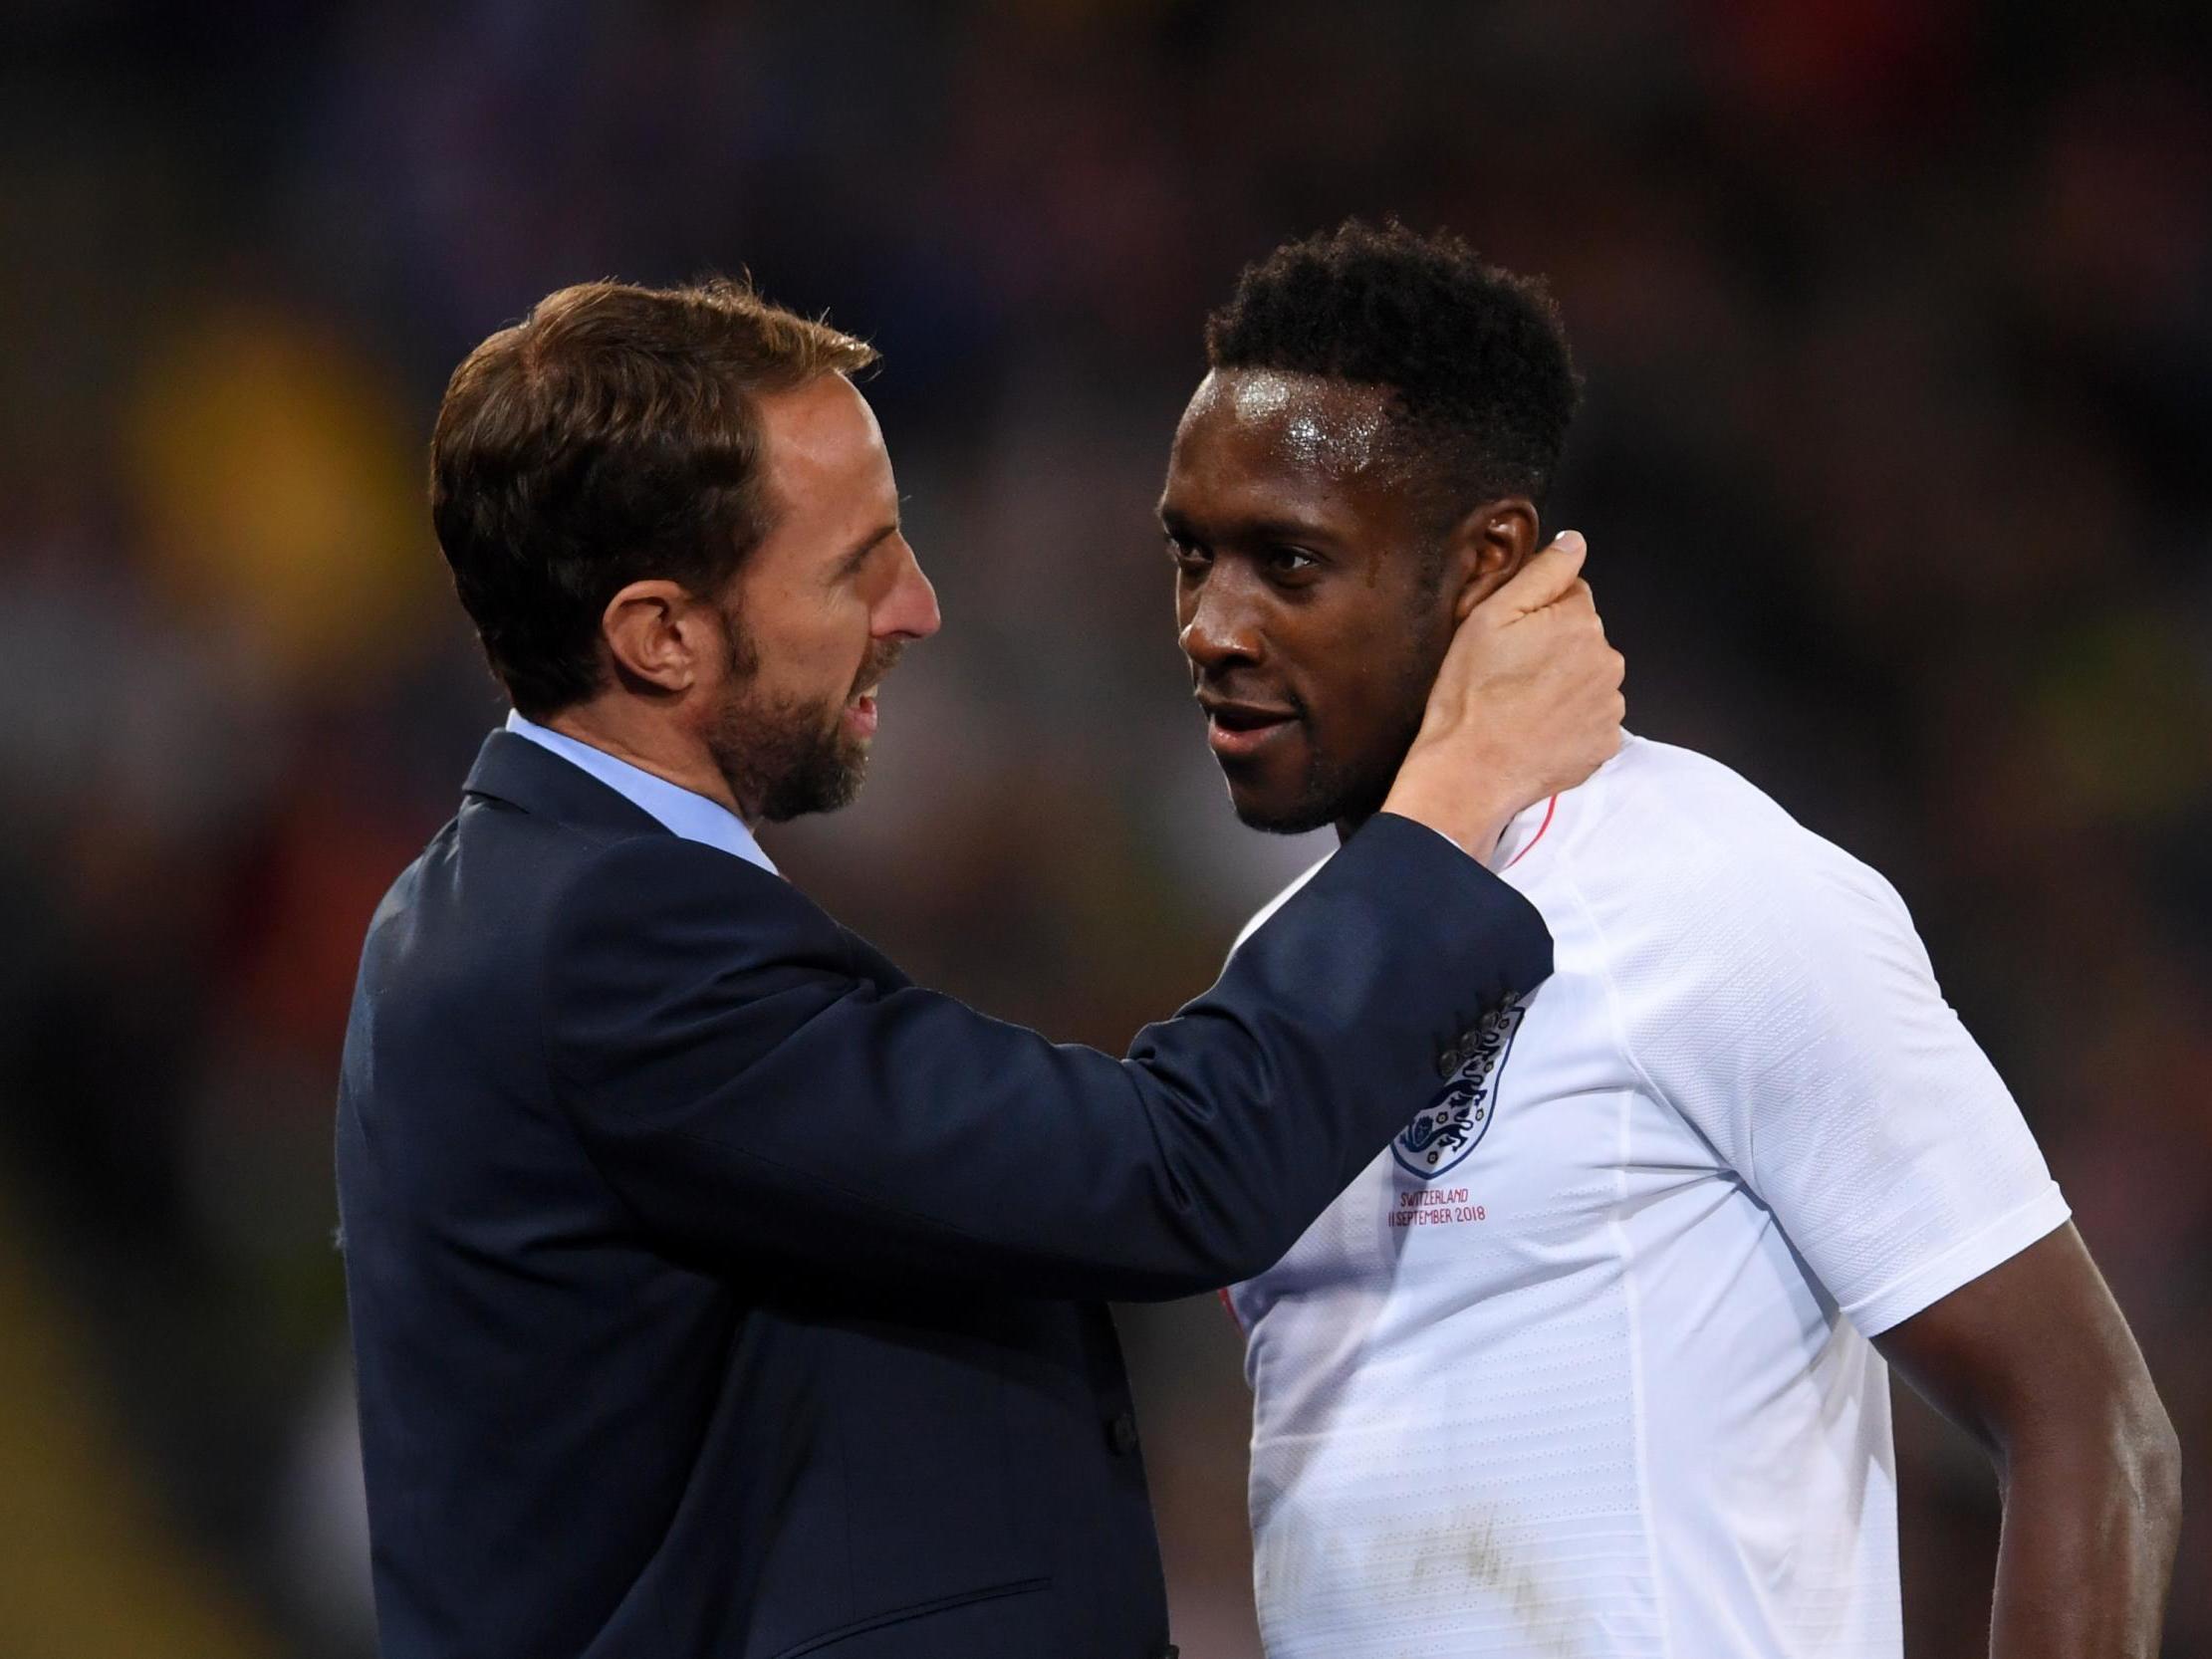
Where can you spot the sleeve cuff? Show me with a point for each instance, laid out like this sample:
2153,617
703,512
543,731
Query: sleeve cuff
1963,1263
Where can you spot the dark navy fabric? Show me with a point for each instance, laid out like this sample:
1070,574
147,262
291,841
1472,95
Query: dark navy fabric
715,1291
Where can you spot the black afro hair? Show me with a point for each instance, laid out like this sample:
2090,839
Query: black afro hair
1476,358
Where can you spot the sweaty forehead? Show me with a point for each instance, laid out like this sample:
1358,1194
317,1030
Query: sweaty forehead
1306,424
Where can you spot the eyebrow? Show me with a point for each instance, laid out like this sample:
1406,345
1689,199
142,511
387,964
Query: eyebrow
853,561
1268,530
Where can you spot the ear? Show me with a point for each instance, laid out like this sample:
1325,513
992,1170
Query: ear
1488,545
660,637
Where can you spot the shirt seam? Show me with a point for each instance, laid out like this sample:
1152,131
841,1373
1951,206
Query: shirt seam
1745,1163
1616,1226
1971,1248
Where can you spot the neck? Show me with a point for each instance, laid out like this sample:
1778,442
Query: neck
652,742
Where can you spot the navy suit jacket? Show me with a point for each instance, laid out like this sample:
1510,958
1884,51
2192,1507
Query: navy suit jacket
716,1291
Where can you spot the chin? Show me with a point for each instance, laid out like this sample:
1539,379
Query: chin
1281,817
1322,797
790,759
828,781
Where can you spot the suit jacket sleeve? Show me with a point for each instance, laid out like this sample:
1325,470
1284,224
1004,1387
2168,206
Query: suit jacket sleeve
762,1098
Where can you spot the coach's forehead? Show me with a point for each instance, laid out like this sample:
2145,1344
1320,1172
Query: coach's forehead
1304,423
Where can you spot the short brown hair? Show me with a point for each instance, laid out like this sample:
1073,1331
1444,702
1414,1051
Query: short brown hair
612,436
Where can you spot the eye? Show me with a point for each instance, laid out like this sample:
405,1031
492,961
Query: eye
1187,554
1283,562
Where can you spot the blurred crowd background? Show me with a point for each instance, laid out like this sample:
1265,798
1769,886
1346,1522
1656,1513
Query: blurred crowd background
1896,318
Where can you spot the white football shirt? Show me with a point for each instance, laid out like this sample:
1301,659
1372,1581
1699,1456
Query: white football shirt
1579,1366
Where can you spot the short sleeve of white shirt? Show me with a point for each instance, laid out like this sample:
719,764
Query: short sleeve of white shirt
1778,997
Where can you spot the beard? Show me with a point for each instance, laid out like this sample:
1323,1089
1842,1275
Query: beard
1349,788
1337,789
786,755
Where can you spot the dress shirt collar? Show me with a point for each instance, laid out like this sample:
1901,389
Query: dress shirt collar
680,810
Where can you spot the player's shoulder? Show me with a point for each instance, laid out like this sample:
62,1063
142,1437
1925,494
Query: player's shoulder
1661,837
1662,832
1661,787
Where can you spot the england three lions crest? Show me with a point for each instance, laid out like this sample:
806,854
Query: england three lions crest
1453,1124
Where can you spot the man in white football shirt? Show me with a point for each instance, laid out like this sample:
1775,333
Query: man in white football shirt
1594,1360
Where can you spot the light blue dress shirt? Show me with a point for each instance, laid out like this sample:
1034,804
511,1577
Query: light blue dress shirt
680,810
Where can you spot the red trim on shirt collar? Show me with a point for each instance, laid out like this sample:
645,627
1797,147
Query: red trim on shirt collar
1550,807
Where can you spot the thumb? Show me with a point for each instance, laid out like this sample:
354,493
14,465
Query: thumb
1543,581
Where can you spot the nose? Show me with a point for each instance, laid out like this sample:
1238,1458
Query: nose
1221,627
910,610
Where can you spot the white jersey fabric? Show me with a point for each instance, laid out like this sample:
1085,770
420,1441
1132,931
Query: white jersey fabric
1579,1366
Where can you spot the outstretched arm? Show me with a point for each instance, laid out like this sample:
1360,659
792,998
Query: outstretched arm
761,1089
762,1092
2035,1360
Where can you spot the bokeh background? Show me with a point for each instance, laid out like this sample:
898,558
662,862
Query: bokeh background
1896,317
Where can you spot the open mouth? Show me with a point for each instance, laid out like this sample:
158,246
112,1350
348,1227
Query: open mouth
860,713
1237,730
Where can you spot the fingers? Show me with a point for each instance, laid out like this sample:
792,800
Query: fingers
1544,579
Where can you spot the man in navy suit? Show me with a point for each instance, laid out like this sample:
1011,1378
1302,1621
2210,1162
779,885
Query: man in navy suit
715,1290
